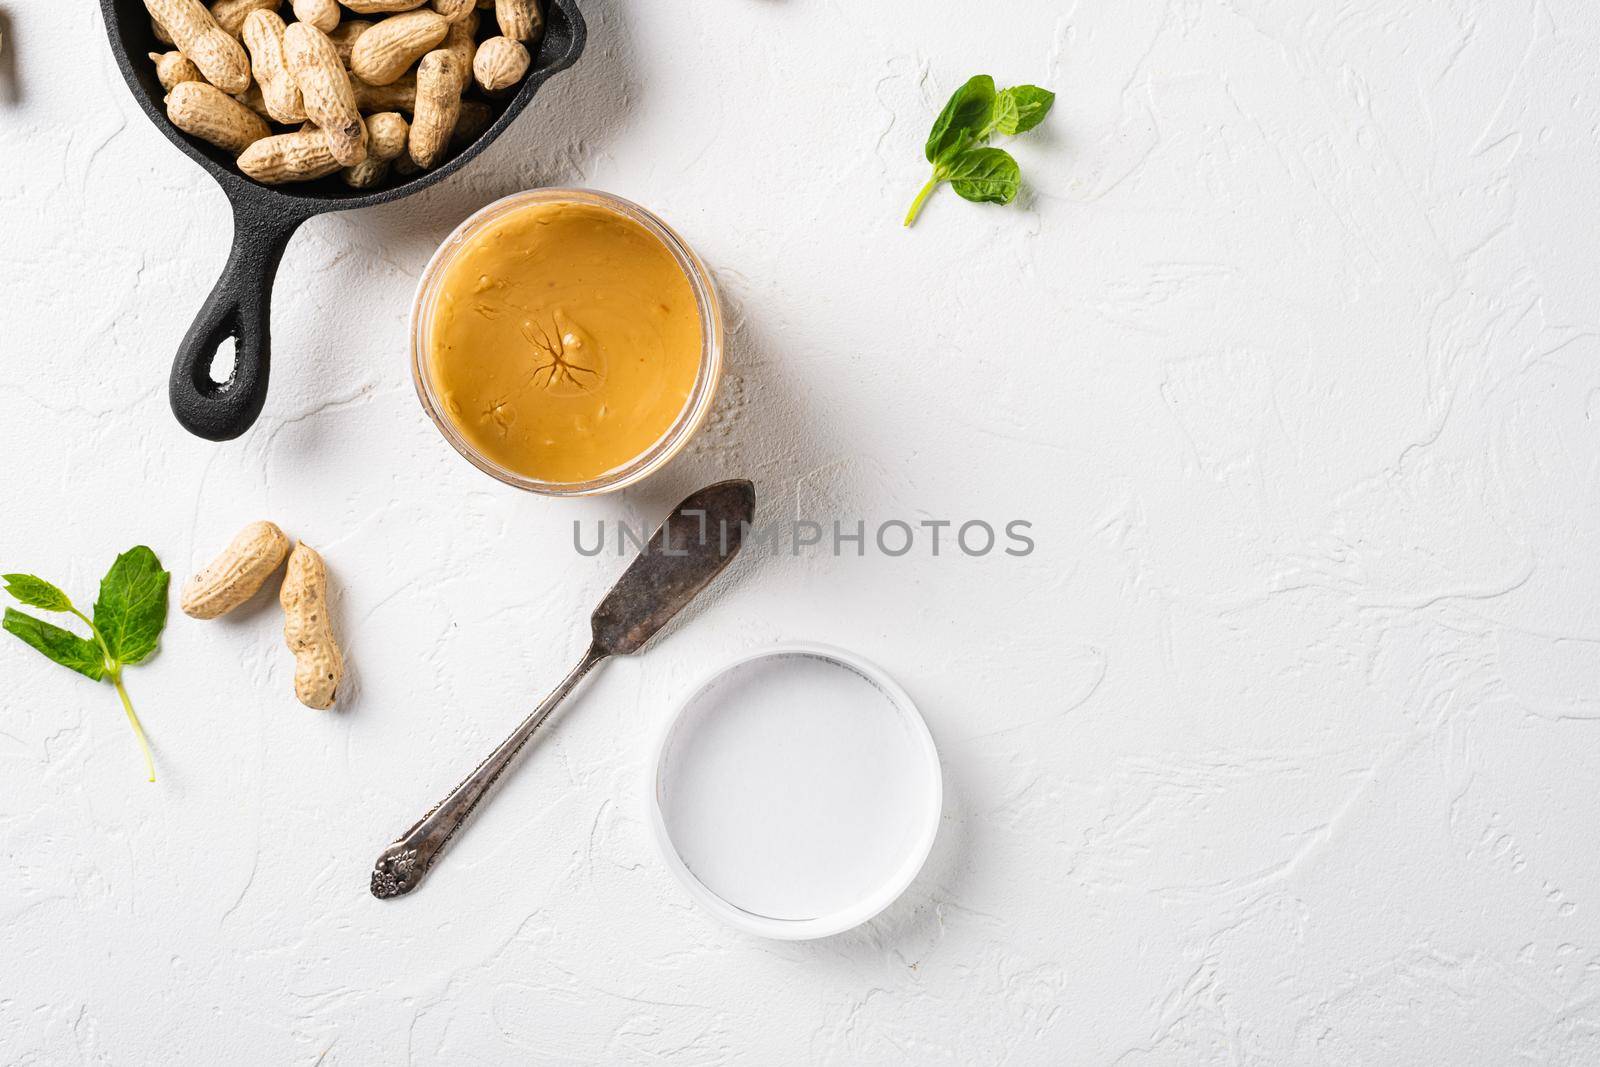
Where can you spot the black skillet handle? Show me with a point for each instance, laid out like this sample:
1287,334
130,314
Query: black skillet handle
240,306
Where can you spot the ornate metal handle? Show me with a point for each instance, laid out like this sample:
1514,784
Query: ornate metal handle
402,865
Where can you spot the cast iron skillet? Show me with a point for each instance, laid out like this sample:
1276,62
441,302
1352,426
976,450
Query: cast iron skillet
265,217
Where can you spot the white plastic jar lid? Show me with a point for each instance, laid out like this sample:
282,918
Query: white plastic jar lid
796,792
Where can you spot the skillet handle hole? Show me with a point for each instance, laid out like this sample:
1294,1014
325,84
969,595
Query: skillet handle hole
223,363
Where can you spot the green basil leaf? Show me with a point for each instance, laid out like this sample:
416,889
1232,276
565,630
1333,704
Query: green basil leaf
1031,105
1006,115
63,646
962,119
985,175
36,592
132,608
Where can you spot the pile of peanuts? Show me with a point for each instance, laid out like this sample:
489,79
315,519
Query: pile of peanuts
330,93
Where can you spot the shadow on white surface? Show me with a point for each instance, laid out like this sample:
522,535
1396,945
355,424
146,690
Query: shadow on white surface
10,85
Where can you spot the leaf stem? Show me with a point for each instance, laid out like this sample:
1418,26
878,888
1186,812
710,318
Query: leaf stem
926,191
138,730
94,631
114,672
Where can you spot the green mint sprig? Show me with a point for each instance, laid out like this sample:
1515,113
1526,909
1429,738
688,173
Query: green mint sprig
127,623
958,146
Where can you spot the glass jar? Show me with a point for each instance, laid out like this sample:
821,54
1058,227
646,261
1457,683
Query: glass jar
701,394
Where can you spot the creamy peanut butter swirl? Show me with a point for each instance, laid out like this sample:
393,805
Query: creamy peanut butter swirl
565,341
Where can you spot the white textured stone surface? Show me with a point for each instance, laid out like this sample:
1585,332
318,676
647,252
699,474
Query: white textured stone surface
1282,746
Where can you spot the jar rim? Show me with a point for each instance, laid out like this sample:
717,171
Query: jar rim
707,305
916,849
